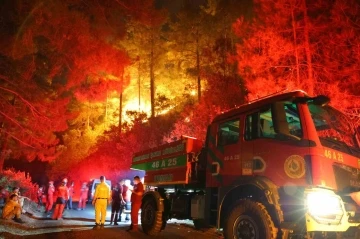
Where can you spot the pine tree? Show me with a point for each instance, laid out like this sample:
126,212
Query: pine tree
56,55
311,45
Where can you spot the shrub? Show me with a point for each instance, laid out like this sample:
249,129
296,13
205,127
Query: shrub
11,178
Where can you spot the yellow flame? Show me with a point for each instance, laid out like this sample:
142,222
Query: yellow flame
133,105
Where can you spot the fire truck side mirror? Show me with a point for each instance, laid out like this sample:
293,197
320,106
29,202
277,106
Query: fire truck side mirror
321,100
318,100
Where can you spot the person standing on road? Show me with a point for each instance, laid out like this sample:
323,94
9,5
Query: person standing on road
40,194
83,196
115,204
71,193
136,197
127,197
122,191
62,195
50,197
65,181
100,201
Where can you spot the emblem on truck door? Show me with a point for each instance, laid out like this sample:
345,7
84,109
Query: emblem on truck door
294,166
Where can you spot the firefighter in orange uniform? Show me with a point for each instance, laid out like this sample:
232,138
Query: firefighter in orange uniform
62,196
12,209
83,196
50,197
136,197
69,204
100,201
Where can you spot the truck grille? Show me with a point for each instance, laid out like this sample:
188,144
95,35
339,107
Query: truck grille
348,181
347,178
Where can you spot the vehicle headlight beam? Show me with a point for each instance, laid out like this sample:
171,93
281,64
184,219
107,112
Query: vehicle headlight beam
324,206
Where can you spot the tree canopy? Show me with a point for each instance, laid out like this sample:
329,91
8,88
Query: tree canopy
91,83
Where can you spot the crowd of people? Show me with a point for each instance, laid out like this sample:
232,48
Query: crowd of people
118,198
123,196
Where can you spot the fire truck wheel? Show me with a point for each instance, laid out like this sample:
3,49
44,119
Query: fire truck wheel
249,220
151,218
164,221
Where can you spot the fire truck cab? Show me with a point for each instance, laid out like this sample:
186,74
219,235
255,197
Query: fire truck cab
284,166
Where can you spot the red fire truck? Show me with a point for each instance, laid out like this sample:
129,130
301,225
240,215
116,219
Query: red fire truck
283,166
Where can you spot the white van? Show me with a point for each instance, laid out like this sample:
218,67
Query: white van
95,183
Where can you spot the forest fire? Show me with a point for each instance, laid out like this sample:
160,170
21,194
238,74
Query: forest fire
86,86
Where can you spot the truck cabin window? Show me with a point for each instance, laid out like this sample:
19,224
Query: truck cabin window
261,124
334,129
228,133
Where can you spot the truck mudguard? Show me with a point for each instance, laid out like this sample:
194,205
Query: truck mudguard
258,188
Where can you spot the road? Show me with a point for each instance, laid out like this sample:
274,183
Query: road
80,225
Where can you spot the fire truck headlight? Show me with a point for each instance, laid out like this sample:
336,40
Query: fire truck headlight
324,206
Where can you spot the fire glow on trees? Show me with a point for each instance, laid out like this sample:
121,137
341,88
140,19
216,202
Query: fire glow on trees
78,66
59,60
301,44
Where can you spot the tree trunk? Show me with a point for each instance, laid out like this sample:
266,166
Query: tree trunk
121,103
5,140
198,66
106,109
295,46
88,116
152,80
2,152
139,86
311,83
120,112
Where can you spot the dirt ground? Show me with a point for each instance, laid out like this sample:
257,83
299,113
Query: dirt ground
80,225
173,232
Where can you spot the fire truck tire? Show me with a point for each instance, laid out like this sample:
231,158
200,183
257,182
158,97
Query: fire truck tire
164,221
151,219
249,219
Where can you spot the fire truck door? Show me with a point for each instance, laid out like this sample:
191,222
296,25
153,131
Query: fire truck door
228,152
267,152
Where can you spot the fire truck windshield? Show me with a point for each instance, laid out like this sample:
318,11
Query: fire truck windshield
333,128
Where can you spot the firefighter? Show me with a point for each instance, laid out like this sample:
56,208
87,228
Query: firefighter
100,201
16,190
71,193
123,188
62,194
20,200
115,203
83,196
12,209
50,197
65,181
127,197
40,194
136,197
